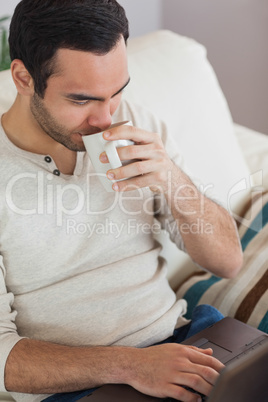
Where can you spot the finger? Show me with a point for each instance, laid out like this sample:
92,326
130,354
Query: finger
199,377
104,158
208,351
134,169
208,374
137,182
195,383
131,133
205,359
142,152
182,394
130,152
137,152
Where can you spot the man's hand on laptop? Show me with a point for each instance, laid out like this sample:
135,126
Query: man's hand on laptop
165,371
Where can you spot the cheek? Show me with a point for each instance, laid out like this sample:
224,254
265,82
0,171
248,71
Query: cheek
73,116
70,115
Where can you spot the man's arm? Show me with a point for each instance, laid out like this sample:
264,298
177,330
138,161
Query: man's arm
208,230
42,367
216,245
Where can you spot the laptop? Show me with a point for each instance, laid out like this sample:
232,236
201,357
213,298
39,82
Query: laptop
242,348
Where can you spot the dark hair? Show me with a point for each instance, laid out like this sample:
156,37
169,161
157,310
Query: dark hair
40,27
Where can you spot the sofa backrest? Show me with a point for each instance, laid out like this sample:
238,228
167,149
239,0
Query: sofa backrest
171,76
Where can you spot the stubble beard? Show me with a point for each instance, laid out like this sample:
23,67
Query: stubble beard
51,127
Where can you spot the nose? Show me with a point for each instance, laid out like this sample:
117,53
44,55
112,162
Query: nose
101,116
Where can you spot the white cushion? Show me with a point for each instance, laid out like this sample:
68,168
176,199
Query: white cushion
171,76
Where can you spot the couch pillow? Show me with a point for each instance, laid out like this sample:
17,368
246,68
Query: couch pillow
171,76
246,296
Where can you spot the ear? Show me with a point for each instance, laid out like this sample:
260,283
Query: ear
21,77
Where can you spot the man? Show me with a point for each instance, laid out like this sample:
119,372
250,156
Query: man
81,306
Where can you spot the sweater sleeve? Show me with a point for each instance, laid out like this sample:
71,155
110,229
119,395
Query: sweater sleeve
8,331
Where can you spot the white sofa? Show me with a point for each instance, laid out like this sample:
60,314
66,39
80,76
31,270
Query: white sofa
171,76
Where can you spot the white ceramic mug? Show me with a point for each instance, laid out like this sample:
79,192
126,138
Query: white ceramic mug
95,144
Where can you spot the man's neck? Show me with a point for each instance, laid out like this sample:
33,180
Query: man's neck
26,134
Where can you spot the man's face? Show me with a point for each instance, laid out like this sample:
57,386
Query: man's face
82,95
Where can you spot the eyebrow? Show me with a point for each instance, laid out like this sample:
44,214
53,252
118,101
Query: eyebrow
82,97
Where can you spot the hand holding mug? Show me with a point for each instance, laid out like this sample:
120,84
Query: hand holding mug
145,163
95,145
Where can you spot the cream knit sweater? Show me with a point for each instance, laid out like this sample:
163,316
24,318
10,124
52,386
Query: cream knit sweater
79,266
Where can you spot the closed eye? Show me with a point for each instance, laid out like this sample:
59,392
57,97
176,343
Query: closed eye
81,103
83,99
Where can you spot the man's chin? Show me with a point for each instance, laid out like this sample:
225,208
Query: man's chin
76,143
75,147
